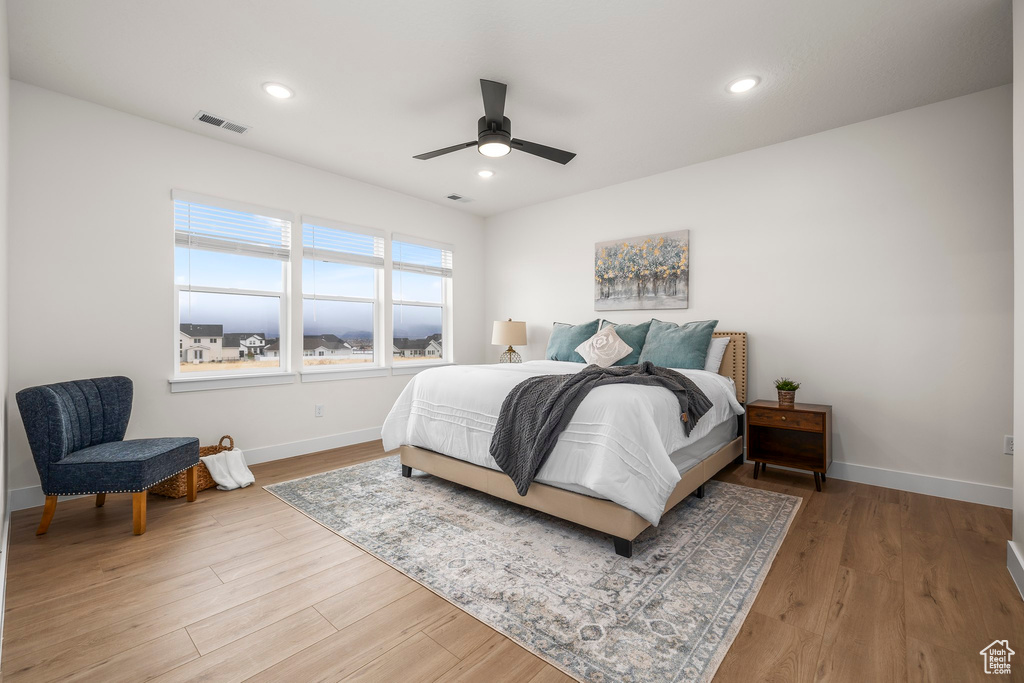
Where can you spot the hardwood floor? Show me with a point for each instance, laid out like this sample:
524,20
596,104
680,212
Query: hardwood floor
871,584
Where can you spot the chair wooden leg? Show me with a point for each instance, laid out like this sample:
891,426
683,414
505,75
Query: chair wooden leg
101,498
191,478
139,512
49,508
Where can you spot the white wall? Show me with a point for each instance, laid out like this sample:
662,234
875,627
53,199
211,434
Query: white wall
91,239
4,450
4,116
872,262
1014,558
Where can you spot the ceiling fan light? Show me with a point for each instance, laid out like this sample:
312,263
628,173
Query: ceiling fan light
494,148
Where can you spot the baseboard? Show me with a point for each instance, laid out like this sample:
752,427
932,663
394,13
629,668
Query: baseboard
29,497
32,496
969,491
1015,563
5,546
254,456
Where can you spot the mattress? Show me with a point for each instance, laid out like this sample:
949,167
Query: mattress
618,445
690,455
684,459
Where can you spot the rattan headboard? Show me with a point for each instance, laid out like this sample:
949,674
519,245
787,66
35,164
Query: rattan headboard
734,363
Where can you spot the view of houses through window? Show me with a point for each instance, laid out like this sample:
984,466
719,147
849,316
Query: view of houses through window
342,272
230,266
230,270
421,292
204,343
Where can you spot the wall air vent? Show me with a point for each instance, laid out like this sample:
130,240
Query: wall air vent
459,198
206,117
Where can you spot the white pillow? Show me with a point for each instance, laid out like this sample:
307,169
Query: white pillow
716,352
604,348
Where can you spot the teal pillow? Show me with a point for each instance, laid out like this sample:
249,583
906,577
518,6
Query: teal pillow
678,346
565,338
634,335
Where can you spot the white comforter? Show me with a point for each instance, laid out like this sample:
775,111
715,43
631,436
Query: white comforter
616,446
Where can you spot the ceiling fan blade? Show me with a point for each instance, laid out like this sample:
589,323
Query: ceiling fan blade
494,100
446,150
550,153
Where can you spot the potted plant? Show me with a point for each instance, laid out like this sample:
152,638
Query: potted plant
787,391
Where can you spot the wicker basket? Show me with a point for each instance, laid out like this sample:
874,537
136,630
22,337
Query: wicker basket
177,486
786,398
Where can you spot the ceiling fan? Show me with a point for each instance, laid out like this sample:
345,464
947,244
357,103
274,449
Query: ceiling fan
494,136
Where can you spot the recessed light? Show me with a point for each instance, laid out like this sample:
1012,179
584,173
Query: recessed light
281,92
741,85
485,173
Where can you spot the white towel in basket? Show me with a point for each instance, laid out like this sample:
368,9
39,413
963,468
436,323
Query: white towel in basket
228,469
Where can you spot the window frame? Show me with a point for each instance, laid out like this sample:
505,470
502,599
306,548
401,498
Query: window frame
378,301
446,306
209,378
291,255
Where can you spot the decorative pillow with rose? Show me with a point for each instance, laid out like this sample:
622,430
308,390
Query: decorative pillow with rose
634,335
604,348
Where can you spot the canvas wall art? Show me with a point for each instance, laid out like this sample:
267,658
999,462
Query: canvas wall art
652,271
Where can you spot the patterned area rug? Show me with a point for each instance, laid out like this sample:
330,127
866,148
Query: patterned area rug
669,613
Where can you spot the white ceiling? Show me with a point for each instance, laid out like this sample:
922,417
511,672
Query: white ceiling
634,88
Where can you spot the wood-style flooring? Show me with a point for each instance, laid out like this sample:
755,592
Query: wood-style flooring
871,584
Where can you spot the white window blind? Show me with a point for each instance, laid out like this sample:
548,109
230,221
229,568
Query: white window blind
324,240
212,225
411,255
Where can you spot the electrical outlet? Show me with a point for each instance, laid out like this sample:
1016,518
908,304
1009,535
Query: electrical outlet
1008,445
318,410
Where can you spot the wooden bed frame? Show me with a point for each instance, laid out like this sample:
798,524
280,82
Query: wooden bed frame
595,513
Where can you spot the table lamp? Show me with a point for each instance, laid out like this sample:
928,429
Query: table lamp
509,333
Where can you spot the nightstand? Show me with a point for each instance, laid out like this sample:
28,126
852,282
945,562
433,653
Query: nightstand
798,437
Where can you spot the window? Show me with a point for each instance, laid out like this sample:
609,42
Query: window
421,292
342,285
230,270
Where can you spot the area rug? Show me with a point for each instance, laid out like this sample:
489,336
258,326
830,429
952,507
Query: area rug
669,613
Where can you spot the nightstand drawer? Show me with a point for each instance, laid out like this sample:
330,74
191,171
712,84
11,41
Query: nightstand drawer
787,419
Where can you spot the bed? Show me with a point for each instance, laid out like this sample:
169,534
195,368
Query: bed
622,462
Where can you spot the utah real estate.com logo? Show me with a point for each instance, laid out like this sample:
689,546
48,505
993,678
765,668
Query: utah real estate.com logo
997,657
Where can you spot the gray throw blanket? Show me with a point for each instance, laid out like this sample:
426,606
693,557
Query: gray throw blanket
539,409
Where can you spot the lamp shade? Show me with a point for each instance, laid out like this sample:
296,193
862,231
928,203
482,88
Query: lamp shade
509,333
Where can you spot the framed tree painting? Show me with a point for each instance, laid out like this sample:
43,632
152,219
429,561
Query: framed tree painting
652,271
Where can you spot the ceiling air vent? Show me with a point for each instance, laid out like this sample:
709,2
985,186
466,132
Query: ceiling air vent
206,117
234,127
459,198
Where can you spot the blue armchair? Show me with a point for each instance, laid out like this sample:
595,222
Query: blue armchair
76,431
